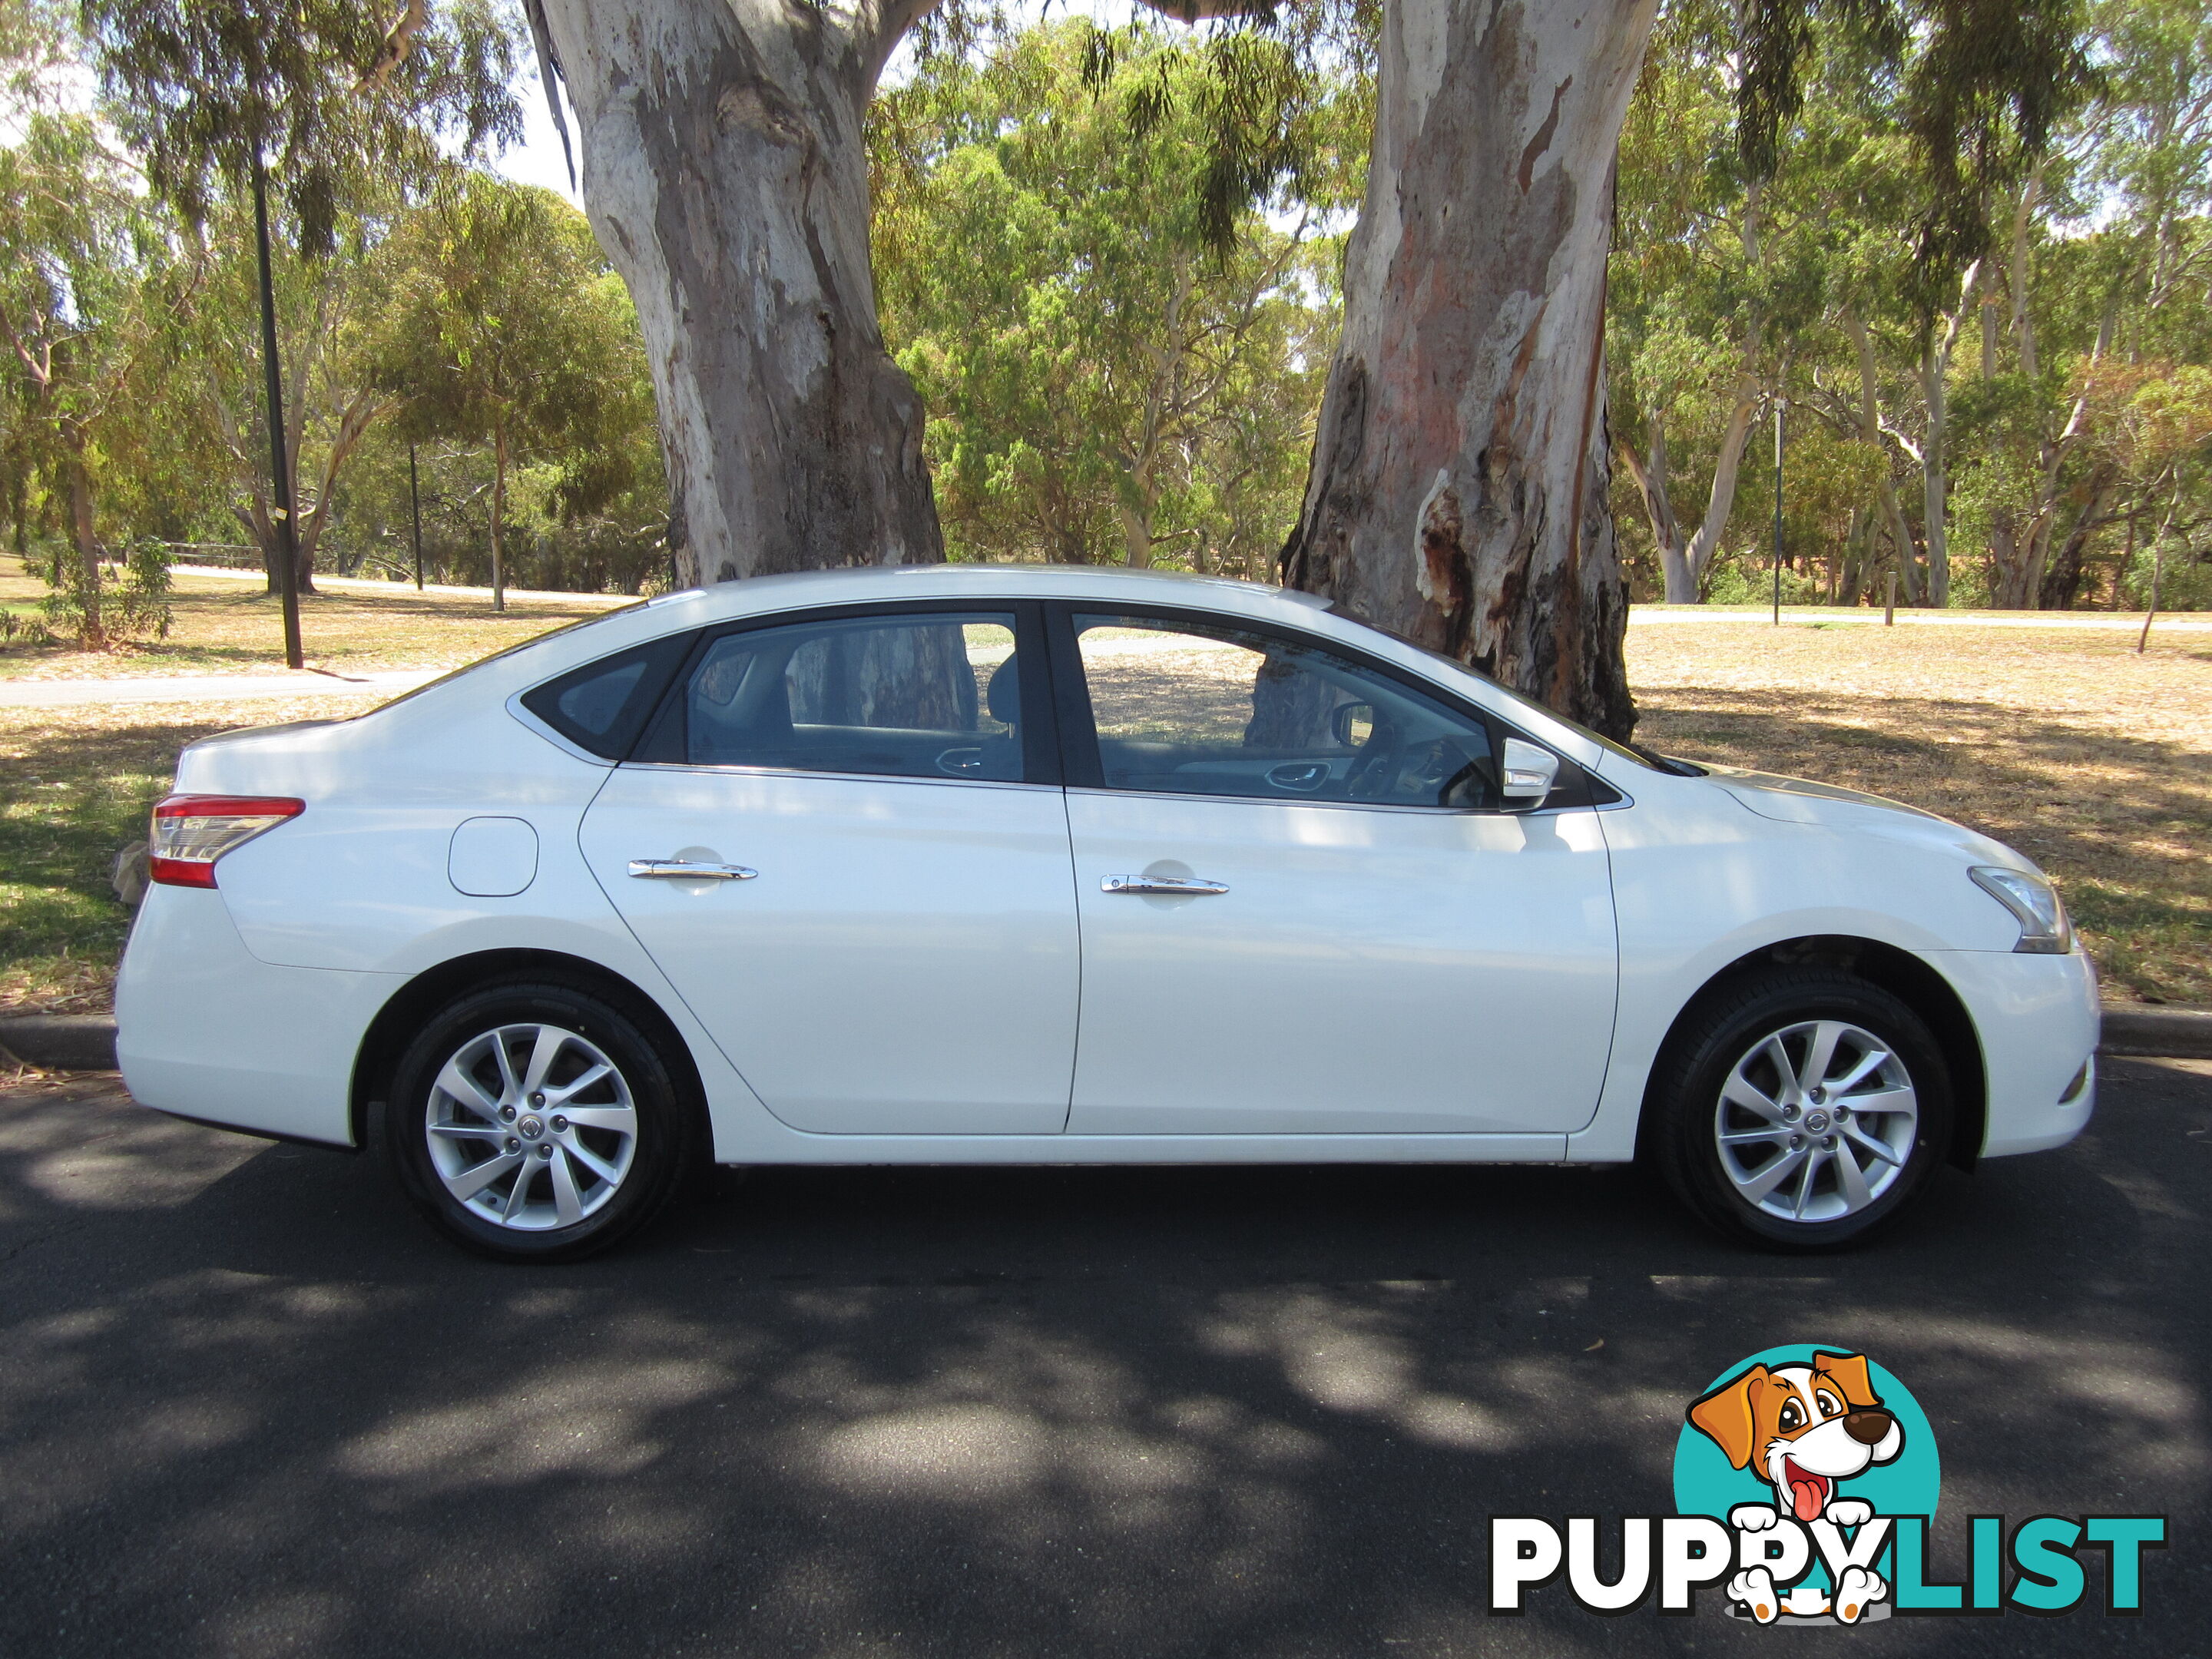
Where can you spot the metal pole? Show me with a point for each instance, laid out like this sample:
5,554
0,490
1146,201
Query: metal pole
415,504
1889,605
287,540
1778,512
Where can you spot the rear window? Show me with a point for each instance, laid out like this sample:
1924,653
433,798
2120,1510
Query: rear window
601,707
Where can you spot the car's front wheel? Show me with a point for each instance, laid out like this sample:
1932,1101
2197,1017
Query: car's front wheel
1803,1110
536,1123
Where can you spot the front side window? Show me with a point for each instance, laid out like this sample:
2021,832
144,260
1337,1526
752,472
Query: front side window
1191,709
930,695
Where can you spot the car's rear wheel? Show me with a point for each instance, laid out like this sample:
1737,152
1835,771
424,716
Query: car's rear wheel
536,1123
1803,1110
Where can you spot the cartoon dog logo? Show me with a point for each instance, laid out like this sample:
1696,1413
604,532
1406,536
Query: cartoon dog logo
1805,1429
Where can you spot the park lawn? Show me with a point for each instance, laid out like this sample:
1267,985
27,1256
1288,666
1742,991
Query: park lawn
2094,762
76,785
222,625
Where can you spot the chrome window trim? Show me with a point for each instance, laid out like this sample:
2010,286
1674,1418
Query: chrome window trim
1346,805
709,771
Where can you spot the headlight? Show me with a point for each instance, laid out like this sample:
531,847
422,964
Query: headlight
2034,902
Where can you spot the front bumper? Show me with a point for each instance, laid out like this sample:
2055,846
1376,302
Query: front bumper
2038,1019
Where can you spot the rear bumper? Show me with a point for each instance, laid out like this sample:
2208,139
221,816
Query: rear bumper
208,1031
2037,1018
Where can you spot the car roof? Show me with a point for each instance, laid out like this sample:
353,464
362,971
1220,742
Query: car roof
865,585
539,660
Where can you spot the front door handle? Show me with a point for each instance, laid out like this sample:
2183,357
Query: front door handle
1162,886
683,870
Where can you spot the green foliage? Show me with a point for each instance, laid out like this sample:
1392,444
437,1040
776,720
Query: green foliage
1981,86
132,603
323,92
1107,379
500,323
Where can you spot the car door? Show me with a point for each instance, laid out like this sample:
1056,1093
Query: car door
1371,945
843,840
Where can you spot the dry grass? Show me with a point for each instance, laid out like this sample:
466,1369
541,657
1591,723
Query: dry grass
2094,762
224,626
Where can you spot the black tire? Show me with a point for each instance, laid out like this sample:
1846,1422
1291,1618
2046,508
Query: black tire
664,1138
1683,1137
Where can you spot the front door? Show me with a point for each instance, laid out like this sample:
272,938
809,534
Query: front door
841,844
1370,945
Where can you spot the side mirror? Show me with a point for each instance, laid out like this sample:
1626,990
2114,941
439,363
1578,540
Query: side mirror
1526,775
1352,723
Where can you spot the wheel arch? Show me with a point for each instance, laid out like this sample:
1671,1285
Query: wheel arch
1904,976
405,1010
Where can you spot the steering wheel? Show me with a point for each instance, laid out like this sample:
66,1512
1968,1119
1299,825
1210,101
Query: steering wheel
1375,772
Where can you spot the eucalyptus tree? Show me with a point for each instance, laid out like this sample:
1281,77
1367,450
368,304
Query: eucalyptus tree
502,325
2141,285
221,93
1694,265
1103,383
322,309
78,307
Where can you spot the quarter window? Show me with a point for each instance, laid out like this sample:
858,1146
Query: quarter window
1190,709
601,707
931,695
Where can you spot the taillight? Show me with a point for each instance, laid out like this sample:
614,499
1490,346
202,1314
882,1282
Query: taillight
191,832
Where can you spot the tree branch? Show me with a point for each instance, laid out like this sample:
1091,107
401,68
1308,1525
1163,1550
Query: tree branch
398,41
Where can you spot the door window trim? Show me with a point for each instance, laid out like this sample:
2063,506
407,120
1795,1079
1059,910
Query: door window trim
1039,730
1082,769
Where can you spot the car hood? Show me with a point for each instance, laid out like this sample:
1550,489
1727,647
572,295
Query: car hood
1800,801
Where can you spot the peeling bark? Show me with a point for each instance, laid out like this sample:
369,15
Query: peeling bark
1461,474
723,172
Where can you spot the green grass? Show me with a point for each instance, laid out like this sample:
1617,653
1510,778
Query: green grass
71,796
75,786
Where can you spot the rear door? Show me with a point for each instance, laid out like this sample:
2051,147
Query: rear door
843,840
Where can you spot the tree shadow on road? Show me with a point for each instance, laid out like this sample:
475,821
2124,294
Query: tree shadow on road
1175,1411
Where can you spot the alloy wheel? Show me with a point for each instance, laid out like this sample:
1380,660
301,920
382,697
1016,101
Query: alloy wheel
531,1126
1816,1122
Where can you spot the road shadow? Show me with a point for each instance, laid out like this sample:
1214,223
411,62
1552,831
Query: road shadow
251,1405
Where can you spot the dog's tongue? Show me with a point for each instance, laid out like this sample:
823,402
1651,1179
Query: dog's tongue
1805,1497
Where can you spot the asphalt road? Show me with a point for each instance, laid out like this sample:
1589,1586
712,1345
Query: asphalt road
249,1406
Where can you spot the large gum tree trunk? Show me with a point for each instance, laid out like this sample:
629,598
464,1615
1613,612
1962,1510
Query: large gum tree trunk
1461,472
723,170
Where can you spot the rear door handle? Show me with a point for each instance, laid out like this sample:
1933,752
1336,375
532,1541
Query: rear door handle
683,870
1162,886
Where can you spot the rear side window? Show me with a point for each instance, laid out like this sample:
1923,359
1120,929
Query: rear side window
927,695
600,707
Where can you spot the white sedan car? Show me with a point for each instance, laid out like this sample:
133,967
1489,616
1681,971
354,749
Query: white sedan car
990,865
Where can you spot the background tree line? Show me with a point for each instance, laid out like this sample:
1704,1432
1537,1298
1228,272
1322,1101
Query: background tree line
1110,379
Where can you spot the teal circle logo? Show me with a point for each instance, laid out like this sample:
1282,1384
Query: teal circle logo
1708,1480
